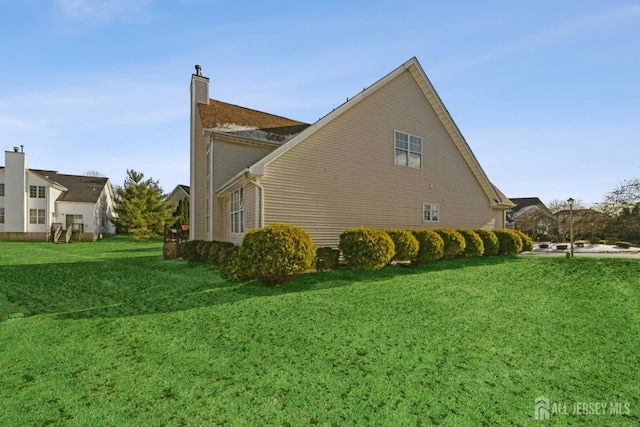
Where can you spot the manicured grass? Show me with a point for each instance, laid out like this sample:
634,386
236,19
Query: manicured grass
108,333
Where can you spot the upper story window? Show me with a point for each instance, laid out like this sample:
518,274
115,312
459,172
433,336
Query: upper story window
408,150
237,211
1,189
430,212
36,191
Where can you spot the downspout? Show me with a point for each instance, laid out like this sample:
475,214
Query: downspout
256,182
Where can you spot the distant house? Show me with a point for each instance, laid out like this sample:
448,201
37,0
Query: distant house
180,193
35,203
531,216
390,157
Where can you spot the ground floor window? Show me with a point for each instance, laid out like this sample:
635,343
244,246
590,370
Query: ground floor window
36,216
237,211
430,212
1,215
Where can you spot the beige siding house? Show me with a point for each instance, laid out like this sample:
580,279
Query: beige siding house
390,157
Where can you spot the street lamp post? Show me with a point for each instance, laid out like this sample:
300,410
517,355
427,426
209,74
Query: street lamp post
570,201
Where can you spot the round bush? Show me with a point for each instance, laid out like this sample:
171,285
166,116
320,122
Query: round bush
405,243
216,251
276,253
327,258
527,242
192,250
509,242
227,259
431,246
454,243
181,249
489,241
474,245
366,248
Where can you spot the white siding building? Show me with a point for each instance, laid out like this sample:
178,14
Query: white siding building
33,202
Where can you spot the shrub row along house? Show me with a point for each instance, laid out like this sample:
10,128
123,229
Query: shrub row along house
390,157
34,203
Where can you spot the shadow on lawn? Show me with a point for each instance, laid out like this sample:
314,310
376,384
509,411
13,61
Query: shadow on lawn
123,287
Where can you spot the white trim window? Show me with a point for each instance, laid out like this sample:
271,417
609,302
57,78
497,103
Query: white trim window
408,150
36,216
430,212
237,211
1,215
36,191
1,189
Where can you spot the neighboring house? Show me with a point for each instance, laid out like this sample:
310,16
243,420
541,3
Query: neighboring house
390,157
33,202
180,193
531,216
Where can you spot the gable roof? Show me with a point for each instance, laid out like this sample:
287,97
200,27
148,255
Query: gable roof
84,189
496,198
221,117
524,202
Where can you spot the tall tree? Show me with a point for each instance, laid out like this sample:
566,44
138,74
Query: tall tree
141,207
623,205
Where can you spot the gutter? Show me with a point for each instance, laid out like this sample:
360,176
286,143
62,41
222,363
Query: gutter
256,181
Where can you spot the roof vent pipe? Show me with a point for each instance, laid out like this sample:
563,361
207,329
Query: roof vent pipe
198,71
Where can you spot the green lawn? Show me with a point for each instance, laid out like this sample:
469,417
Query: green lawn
108,333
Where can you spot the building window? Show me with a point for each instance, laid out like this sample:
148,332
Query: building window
237,211
430,212
1,215
36,191
36,216
408,150
74,221
1,189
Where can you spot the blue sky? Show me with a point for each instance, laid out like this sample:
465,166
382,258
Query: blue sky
546,93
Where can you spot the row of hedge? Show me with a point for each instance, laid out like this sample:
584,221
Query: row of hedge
278,252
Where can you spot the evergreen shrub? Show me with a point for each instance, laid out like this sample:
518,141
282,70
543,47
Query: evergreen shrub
527,242
473,243
489,240
366,248
431,246
454,243
509,242
276,253
406,245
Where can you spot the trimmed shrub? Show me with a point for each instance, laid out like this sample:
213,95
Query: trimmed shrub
203,250
181,249
509,242
405,243
454,243
216,251
192,251
431,246
489,241
227,259
366,248
327,258
623,245
527,242
276,253
474,245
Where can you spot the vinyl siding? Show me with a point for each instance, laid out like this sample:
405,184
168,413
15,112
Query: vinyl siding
228,160
344,174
